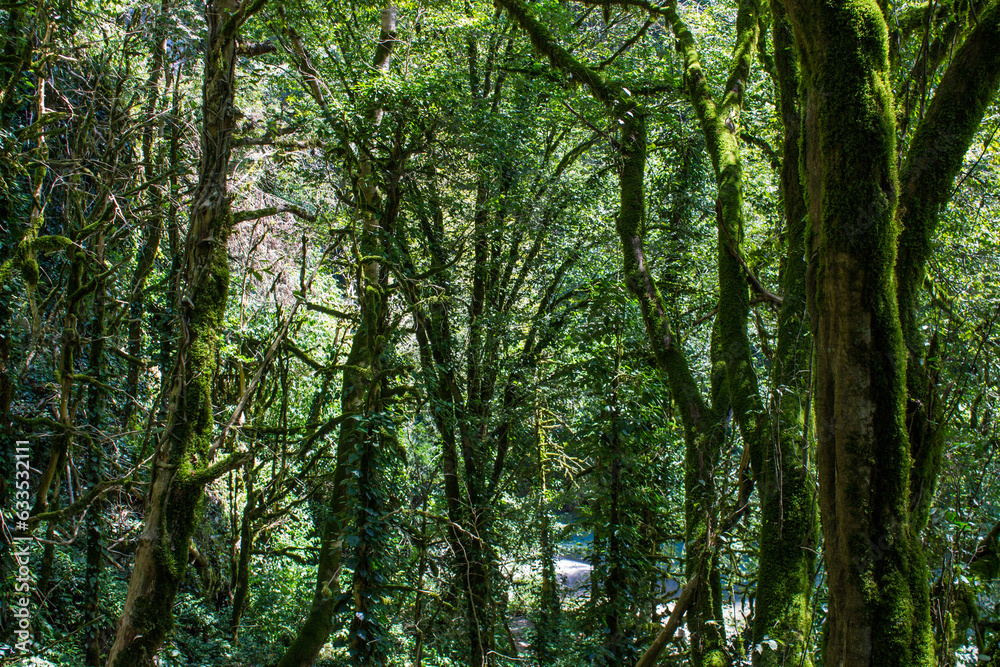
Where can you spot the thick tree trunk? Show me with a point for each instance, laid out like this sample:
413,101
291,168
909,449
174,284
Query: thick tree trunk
863,458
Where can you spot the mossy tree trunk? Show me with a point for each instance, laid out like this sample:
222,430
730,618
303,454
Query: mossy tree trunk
547,627
370,439
619,624
789,521
476,558
95,422
362,364
17,51
78,286
704,431
872,553
735,384
153,232
734,381
182,464
933,161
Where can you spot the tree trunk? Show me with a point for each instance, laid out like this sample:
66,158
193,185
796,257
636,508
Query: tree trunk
547,628
863,458
154,229
367,346
181,466
788,532
95,420
242,584
932,163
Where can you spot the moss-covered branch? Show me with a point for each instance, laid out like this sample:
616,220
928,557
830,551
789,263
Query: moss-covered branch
268,211
24,255
213,472
932,163
81,504
609,93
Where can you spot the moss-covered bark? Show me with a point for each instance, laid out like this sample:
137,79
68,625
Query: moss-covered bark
932,163
788,531
358,404
327,600
547,625
181,465
735,383
778,462
95,421
863,456
370,440
153,232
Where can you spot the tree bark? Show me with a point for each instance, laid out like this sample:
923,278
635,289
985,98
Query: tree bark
366,348
863,459
932,163
154,227
789,521
181,465
241,589
95,420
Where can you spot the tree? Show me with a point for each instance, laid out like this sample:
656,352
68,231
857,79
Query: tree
573,280
183,460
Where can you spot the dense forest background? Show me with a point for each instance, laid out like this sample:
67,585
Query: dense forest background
598,332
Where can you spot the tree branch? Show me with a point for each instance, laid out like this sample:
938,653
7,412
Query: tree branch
244,216
653,652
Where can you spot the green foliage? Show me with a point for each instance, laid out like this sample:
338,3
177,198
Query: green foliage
484,181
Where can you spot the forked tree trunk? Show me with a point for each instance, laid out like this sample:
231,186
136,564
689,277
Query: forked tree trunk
934,160
702,423
366,346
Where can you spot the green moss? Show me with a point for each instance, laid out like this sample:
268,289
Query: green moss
30,271
788,534
935,156
863,450
933,161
